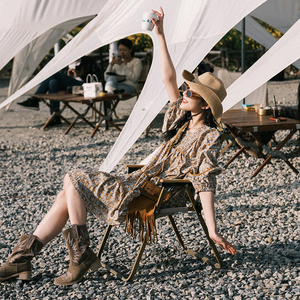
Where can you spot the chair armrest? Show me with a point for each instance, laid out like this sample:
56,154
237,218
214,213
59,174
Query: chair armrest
132,168
175,182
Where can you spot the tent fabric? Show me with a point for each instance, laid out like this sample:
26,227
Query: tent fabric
257,96
280,14
191,31
22,21
282,54
258,33
27,60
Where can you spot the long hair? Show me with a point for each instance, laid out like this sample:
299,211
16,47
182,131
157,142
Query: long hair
209,121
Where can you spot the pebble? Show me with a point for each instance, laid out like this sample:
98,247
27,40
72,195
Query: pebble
259,215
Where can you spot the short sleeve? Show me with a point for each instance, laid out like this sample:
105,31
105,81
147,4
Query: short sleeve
172,114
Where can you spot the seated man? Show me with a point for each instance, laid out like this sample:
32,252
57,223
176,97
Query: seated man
77,73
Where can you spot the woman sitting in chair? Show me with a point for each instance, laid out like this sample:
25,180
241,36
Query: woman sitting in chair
190,151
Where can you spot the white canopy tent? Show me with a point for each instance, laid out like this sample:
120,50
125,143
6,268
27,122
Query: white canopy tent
193,27
27,60
189,27
22,21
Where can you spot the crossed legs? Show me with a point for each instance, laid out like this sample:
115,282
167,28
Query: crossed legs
67,205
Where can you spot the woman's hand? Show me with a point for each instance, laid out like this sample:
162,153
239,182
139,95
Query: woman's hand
224,244
159,23
116,60
71,72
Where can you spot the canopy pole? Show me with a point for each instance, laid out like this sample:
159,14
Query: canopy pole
243,49
56,48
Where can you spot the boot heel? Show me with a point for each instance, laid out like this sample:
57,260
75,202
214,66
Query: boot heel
95,266
25,275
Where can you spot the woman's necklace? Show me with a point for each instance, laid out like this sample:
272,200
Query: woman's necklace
192,128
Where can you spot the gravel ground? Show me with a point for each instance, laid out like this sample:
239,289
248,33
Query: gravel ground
260,216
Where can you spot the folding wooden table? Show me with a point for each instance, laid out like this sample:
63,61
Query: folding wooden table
68,99
251,122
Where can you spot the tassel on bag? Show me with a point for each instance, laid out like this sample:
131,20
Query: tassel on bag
141,209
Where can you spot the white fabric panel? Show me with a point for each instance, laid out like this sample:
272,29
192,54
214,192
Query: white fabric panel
22,21
280,14
257,96
275,60
27,60
192,28
202,31
258,33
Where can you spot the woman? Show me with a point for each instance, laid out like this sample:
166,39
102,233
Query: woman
124,64
189,151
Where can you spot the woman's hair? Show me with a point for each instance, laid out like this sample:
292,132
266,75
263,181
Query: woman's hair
209,121
127,43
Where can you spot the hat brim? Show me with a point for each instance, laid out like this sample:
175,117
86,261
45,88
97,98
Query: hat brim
206,93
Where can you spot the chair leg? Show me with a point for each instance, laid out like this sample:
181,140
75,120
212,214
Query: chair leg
135,265
194,253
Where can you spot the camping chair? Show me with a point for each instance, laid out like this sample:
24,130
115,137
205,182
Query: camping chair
161,212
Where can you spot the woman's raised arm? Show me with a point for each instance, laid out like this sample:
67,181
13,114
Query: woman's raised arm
167,67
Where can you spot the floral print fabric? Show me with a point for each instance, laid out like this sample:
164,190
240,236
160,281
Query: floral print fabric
193,157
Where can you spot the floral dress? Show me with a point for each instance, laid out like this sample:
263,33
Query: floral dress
190,155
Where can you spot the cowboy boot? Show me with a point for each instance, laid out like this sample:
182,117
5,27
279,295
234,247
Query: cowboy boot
82,258
18,262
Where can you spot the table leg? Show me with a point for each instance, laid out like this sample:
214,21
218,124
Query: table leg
234,156
226,147
55,113
81,116
102,118
288,137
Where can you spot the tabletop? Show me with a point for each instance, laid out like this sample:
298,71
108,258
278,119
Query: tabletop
250,121
81,99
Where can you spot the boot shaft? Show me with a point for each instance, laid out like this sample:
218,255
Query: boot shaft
27,247
82,258
78,241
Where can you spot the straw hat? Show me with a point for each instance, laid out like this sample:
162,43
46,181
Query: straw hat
210,88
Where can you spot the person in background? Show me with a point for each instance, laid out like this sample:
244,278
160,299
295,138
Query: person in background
76,76
124,64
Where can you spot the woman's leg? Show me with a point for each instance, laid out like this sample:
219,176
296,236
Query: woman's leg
54,220
82,258
76,209
68,205
127,88
111,84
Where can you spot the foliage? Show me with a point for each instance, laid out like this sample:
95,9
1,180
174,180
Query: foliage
141,42
230,46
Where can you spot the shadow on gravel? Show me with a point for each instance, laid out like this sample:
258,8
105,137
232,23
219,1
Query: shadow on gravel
274,255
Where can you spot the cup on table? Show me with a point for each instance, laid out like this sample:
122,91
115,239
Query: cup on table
147,20
257,106
276,111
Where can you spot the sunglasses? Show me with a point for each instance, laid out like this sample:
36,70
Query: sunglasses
189,93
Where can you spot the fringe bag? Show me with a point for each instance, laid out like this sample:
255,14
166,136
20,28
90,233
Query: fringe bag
141,209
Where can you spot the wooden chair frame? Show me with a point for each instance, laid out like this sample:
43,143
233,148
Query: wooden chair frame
160,212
